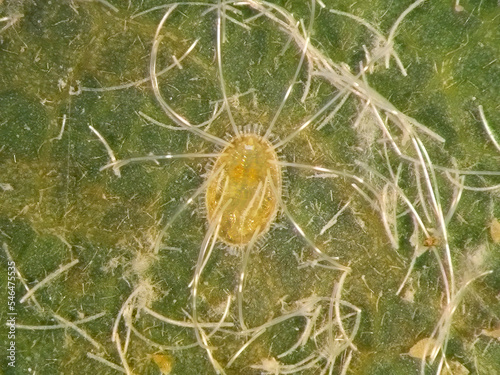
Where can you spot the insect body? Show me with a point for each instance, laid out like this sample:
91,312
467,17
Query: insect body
242,188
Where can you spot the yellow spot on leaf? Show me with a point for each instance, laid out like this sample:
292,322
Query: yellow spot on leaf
495,231
422,348
164,362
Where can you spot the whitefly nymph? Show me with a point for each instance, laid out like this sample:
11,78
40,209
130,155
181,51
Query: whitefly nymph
242,187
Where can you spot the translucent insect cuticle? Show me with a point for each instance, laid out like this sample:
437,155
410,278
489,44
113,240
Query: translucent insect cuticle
239,181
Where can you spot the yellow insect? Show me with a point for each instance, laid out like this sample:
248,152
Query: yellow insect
240,192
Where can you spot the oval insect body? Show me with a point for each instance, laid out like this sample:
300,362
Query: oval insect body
242,187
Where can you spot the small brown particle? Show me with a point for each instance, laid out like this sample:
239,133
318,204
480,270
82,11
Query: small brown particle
431,241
